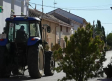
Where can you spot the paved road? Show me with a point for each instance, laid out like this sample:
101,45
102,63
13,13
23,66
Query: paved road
57,76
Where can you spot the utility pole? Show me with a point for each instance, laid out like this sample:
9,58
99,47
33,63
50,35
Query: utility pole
93,29
42,9
54,5
43,29
35,6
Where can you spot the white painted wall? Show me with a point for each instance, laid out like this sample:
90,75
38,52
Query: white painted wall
76,26
5,14
7,10
70,16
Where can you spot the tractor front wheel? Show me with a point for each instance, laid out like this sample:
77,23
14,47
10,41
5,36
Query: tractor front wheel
49,64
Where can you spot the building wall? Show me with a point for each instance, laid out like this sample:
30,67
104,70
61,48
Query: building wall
76,26
7,11
50,37
75,21
4,14
53,37
61,34
17,7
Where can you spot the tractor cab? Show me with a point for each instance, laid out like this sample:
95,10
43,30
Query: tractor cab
21,45
23,29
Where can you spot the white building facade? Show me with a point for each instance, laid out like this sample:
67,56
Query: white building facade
74,20
16,7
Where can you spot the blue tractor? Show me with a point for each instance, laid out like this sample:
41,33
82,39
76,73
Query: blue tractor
22,47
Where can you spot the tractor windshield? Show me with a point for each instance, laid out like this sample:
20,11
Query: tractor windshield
22,30
34,29
18,31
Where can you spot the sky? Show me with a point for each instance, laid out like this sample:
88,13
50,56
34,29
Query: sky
90,10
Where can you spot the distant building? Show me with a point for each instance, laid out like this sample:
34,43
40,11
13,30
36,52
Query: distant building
69,18
16,7
59,29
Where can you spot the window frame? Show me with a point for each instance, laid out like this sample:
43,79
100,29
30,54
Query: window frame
60,28
66,29
36,26
15,25
7,26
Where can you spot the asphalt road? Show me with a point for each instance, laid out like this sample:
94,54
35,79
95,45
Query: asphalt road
57,76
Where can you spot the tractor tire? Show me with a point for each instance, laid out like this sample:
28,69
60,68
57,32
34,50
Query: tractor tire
5,70
49,64
35,62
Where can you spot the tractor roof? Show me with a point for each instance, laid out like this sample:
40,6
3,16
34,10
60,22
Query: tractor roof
22,19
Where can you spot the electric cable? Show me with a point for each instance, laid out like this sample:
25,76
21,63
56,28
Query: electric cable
67,8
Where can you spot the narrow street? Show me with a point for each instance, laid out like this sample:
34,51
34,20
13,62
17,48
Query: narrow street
57,76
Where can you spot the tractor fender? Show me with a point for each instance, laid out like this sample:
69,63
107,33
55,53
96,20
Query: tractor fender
33,41
3,42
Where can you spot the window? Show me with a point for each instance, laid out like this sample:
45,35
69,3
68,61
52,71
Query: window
15,27
18,27
22,7
38,30
60,28
34,30
66,29
1,2
11,30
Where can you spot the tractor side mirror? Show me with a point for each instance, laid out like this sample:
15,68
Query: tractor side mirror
48,29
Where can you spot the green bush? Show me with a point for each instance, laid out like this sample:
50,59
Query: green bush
47,47
56,55
81,53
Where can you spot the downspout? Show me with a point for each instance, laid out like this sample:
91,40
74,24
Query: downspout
55,33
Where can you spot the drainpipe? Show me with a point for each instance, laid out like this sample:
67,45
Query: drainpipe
55,33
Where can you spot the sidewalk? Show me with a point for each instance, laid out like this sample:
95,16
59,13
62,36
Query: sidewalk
101,79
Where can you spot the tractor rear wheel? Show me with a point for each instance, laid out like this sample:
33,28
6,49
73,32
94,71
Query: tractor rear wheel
49,64
35,62
5,70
